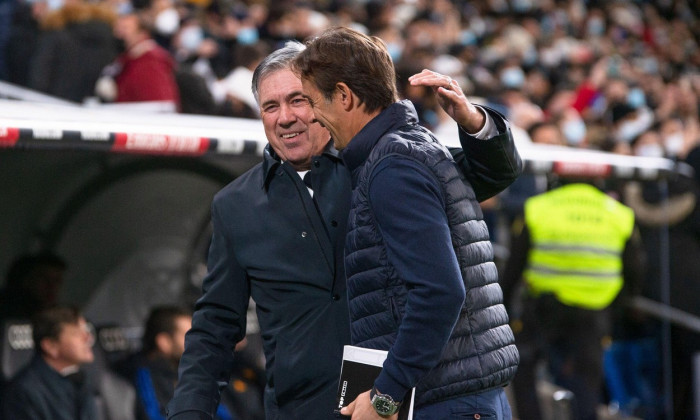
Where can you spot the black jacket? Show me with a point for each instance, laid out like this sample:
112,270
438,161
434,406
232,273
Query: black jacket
270,244
38,392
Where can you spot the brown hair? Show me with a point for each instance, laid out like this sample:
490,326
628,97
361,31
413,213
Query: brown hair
49,323
360,61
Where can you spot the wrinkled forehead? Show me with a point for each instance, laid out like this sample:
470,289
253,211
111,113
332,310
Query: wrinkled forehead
278,84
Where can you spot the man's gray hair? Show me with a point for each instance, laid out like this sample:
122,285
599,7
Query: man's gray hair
278,60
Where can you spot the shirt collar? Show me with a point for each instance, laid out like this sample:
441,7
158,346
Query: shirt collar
396,115
271,161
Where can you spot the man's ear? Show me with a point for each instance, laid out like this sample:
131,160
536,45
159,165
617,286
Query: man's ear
164,342
345,96
49,347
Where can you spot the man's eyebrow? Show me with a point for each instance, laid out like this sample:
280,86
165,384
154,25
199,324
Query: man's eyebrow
295,94
266,103
286,98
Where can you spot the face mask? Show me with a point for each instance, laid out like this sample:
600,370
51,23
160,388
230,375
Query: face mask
521,5
124,8
673,143
247,36
467,37
636,98
191,38
395,50
595,27
167,22
650,65
54,4
650,150
512,77
574,131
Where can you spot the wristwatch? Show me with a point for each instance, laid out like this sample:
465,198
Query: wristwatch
383,404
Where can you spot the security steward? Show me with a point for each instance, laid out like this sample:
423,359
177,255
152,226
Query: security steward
566,267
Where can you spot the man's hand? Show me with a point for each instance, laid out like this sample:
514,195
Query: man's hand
361,409
451,99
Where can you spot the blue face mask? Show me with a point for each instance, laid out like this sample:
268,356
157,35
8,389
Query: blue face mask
395,50
513,77
124,8
467,37
595,27
247,36
574,131
636,98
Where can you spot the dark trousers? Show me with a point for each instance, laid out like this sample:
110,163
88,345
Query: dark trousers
569,340
491,404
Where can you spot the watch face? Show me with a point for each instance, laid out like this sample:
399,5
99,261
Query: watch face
384,406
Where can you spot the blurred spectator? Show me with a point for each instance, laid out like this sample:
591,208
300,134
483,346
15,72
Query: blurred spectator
53,386
22,39
575,252
33,283
144,71
75,44
153,370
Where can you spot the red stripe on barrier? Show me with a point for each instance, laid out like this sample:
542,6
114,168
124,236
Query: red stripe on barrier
582,169
160,144
8,136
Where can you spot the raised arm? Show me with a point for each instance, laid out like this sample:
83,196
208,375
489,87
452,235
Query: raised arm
488,158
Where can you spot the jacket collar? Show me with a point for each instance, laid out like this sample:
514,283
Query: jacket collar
396,115
271,161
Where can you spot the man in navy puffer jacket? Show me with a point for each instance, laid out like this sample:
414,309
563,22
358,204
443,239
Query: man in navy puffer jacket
420,274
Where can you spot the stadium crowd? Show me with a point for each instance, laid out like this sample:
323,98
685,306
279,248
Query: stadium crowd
618,76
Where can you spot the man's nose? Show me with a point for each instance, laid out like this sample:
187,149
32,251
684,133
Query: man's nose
287,115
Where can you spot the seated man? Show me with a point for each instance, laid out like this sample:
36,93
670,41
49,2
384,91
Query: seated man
153,371
53,386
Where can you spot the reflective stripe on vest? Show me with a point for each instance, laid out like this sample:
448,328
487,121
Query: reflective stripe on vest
577,236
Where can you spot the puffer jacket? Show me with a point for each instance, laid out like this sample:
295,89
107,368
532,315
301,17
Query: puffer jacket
480,353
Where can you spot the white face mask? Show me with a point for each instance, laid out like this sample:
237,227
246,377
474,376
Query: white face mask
650,150
513,77
54,4
673,143
167,22
191,38
574,131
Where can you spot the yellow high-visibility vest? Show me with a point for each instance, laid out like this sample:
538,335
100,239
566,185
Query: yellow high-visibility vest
577,235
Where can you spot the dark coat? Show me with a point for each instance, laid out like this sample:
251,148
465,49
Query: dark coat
270,243
38,392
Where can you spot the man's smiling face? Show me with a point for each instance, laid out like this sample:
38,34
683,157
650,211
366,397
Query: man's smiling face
289,120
